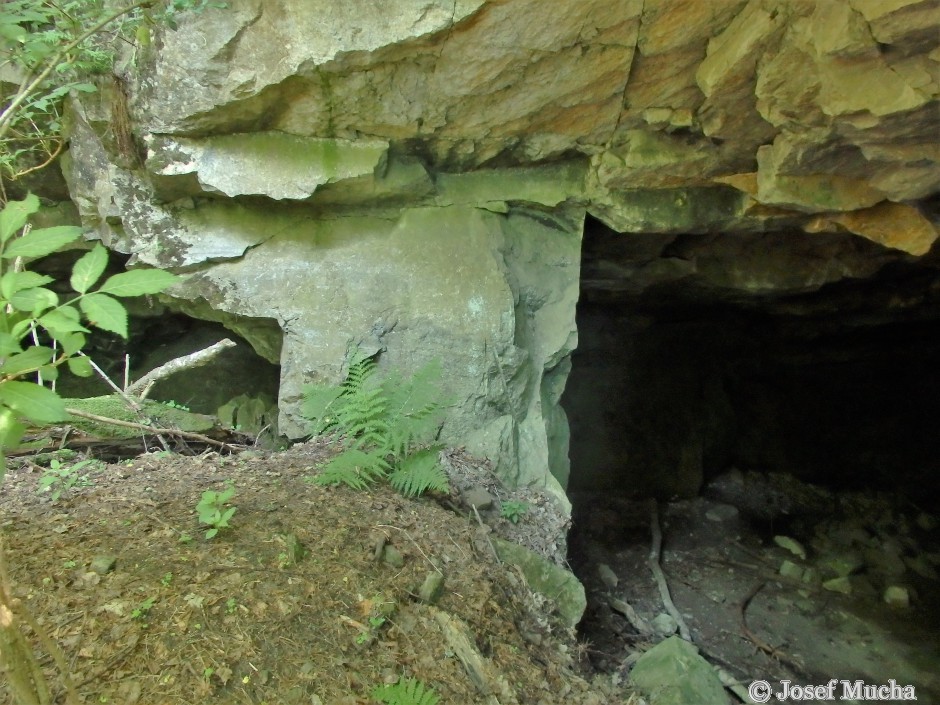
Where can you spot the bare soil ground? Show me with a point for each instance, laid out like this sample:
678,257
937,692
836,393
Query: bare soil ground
243,618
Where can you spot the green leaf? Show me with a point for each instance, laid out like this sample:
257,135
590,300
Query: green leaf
14,215
61,322
21,327
39,243
80,366
11,282
38,404
71,342
8,345
223,521
105,312
11,431
14,33
89,268
34,300
32,359
138,282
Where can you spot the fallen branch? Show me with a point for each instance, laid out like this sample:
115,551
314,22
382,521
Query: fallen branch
654,557
733,684
196,359
129,400
151,429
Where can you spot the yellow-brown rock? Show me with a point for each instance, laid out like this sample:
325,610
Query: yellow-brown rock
832,103
894,225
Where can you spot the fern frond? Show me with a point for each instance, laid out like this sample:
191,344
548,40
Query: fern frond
407,691
379,424
317,406
360,410
353,467
418,473
417,397
413,408
361,370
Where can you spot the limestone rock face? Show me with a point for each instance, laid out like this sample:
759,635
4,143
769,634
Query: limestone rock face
411,177
832,104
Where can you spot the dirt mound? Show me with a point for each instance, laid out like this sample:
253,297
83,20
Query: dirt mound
312,595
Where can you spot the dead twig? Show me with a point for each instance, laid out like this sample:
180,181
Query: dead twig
398,528
129,400
484,530
655,551
196,359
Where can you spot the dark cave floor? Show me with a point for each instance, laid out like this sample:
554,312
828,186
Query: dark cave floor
724,573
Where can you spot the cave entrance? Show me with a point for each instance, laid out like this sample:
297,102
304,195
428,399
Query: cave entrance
758,386
239,385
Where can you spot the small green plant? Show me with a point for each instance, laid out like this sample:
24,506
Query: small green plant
407,691
59,478
143,609
185,537
213,511
231,606
166,579
375,623
513,511
173,405
68,565
382,427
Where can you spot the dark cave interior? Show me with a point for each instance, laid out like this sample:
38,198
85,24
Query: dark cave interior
820,362
770,391
159,333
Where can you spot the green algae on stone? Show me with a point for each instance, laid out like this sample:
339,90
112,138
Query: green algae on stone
273,164
546,578
679,210
114,407
673,673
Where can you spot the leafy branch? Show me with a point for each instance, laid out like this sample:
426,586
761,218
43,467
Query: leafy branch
55,47
55,62
29,310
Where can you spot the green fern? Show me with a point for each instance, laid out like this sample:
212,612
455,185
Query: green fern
407,691
380,426
354,467
418,473
414,405
318,404
356,409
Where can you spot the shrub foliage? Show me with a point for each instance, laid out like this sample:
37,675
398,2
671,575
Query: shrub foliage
39,332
